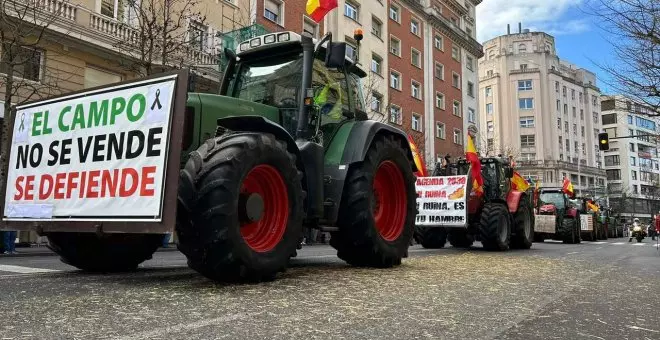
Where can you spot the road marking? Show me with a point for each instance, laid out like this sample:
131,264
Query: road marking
639,244
571,253
25,270
643,329
597,242
619,243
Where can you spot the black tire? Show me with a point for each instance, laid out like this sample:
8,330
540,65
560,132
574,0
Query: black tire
568,226
105,253
495,227
358,240
460,238
209,224
538,237
432,238
523,227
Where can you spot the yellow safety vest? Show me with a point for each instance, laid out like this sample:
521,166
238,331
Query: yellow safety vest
322,98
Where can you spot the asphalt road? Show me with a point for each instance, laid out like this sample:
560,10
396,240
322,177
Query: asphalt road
595,290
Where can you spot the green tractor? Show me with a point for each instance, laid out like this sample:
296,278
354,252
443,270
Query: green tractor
291,147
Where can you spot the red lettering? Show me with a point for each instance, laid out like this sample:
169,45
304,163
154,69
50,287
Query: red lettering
19,188
93,184
109,182
123,191
146,180
83,183
70,184
59,185
29,187
44,194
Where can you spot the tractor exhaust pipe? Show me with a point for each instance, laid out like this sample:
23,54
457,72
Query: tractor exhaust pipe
306,91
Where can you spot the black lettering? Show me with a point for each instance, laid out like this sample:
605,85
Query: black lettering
99,146
37,150
130,154
21,160
153,141
65,155
115,146
52,150
459,205
84,152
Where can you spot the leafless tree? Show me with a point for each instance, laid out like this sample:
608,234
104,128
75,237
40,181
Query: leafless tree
495,148
634,28
160,34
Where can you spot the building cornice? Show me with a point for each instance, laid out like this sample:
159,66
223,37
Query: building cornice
456,7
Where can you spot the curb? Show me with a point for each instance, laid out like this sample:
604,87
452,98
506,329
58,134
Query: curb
48,252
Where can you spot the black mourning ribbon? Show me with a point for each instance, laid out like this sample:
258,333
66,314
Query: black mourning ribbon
157,101
22,127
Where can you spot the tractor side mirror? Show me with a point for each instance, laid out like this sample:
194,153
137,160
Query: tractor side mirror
335,55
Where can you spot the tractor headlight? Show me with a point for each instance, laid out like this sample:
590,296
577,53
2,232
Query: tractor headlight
284,37
255,42
269,39
638,228
245,46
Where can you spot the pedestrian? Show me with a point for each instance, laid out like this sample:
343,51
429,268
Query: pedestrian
9,241
166,240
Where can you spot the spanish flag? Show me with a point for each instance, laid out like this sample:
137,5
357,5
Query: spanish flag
317,9
472,157
592,206
419,161
519,182
568,186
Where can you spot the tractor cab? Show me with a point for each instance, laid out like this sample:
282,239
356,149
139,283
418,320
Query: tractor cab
496,172
552,201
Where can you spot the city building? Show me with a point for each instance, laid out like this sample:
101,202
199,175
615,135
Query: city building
632,161
541,110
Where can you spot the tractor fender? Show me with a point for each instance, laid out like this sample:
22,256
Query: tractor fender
259,124
513,200
362,135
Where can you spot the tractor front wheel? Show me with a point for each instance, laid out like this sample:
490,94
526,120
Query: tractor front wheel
104,253
523,224
569,226
460,238
432,238
377,212
240,207
495,226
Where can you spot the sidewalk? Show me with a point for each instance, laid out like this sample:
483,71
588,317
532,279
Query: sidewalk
43,250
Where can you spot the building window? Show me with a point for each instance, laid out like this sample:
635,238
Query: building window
309,26
568,145
527,141
527,122
415,58
528,156
595,117
376,27
440,100
526,103
572,94
456,80
351,51
470,89
566,127
376,64
472,115
469,63
524,85
273,11
458,137
457,108
414,27
416,90
395,80
580,97
557,86
376,102
581,114
574,112
565,109
559,123
416,124
456,53
351,10
489,91
633,161
489,108
395,114
613,175
582,130
198,37
440,130
558,106
438,42
439,71
394,13
633,175
395,46
490,126
27,61
523,66
563,91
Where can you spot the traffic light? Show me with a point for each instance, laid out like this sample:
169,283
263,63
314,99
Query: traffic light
603,141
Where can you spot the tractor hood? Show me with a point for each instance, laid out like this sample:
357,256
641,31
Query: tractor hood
547,209
213,106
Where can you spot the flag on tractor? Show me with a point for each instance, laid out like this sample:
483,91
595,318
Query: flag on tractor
568,186
592,206
317,9
519,182
419,161
472,157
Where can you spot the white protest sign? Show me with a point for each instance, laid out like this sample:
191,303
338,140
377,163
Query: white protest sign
441,201
97,155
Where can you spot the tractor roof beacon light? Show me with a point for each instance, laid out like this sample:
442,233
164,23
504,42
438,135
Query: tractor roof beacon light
358,34
603,141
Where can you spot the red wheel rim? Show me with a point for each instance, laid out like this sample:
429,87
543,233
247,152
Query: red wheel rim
263,235
390,201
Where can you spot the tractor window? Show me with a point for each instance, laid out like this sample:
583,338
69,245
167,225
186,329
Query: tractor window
556,198
330,98
358,95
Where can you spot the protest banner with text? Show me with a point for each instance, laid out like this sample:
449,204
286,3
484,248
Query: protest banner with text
441,201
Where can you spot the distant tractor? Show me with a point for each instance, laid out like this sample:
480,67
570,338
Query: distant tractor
592,226
556,217
501,218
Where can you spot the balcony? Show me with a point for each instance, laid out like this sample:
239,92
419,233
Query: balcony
552,164
525,70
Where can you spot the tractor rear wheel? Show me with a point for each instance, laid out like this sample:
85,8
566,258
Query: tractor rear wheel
568,227
495,226
460,238
523,226
432,238
377,212
240,207
104,253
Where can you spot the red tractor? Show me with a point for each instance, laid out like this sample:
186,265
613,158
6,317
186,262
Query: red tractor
556,217
500,218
